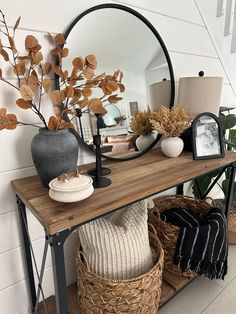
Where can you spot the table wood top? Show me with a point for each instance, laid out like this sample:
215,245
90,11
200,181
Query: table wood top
131,181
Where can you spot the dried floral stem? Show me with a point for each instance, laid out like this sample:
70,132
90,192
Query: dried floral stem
5,81
13,56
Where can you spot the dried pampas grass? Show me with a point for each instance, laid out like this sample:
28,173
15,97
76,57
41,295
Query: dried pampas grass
170,122
141,123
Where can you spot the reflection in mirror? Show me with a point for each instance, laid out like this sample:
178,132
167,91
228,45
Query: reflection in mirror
112,114
136,51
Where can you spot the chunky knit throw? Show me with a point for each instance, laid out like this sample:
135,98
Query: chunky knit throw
202,244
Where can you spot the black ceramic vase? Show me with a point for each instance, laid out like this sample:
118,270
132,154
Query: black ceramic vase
53,153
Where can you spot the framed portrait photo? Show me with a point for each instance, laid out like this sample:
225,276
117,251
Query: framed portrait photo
207,138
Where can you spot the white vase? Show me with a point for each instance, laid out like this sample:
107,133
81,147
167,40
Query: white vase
144,141
172,146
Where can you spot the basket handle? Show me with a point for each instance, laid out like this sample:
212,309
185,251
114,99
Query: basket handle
152,229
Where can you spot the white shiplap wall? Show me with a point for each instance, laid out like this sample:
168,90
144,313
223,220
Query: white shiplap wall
191,50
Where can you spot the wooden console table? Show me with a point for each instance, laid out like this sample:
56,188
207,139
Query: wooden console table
131,181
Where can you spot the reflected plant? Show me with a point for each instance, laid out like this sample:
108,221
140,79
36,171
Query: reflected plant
33,80
140,122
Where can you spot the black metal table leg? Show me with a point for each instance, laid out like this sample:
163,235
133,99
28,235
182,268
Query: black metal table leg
27,253
180,189
229,198
59,274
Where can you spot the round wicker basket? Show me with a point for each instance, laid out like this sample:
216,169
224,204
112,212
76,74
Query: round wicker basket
168,233
139,295
231,220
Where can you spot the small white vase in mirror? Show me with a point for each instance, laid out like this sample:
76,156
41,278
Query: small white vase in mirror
144,141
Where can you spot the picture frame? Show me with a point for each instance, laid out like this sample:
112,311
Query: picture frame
133,105
207,137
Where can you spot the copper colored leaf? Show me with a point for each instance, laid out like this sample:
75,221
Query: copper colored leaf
112,86
37,57
11,121
12,44
109,78
57,97
58,71
55,51
88,73
3,112
66,125
83,103
113,99
23,58
69,91
65,75
53,123
121,87
105,90
121,76
64,52
36,48
20,69
59,39
4,54
78,63
47,84
91,61
23,104
95,105
30,42
26,92
3,122
33,82
86,92
77,92
16,24
47,67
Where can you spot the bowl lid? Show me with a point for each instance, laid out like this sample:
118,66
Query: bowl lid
74,184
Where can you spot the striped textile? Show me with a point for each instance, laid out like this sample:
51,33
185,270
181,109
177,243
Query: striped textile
202,244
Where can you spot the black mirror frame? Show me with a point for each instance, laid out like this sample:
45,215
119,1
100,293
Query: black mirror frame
158,37
221,155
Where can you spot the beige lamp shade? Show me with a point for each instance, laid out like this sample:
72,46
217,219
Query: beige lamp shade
159,94
200,94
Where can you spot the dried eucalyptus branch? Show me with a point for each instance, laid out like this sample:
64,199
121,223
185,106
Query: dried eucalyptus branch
34,81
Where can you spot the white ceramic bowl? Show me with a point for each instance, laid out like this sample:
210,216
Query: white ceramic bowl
74,190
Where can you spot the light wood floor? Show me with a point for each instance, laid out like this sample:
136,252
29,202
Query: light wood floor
204,296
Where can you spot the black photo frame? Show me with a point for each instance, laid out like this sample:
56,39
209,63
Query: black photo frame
207,137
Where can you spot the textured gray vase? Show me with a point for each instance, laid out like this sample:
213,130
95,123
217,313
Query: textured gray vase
53,153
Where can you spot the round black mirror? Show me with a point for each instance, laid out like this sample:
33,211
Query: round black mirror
121,38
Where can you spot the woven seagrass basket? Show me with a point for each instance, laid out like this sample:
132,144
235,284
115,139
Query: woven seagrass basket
139,295
231,220
168,233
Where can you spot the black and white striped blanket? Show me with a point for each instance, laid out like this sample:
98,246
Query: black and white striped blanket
202,244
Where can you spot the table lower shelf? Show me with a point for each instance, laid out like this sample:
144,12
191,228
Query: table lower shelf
171,285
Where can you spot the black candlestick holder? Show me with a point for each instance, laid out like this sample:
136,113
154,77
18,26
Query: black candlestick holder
99,180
